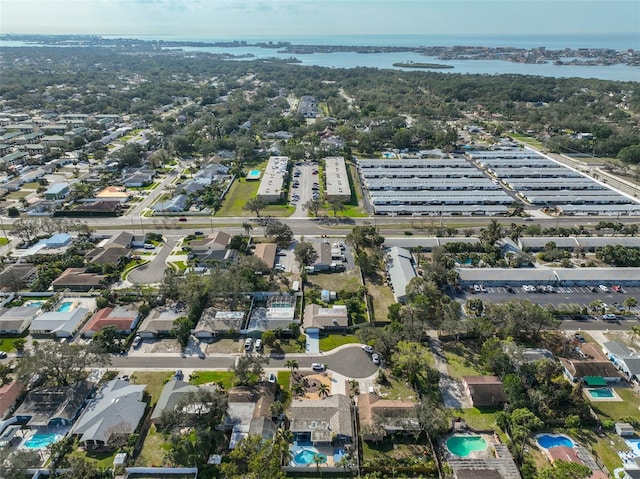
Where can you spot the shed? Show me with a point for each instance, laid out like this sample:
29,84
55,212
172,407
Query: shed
624,429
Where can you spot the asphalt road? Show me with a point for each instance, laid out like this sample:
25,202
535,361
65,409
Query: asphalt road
350,361
153,272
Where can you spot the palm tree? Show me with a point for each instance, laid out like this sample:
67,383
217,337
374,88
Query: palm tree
291,364
323,390
634,333
247,227
298,389
630,302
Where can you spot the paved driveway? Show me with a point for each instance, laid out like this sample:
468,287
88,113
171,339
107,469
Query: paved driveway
153,272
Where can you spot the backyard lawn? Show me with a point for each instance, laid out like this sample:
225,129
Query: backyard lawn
396,389
8,344
479,418
347,281
616,410
461,362
382,299
153,450
4,241
334,340
243,190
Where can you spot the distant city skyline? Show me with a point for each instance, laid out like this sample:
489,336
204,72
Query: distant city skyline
272,18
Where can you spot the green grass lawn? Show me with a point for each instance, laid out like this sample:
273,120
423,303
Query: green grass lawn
18,195
32,185
180,265
3,241
8,344
154,380
528,140
462,363
284,380
334,340
224,378
348,281
397,389
382,299
616,410
153,449
479,419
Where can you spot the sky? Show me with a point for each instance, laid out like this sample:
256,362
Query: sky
272,18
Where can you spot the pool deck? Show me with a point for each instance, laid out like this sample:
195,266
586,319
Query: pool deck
615,398
327,451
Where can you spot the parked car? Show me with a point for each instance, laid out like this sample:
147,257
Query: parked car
136,341
318,367
375,357
258,344
367,349
580,338
609,317
272,378
178,376
3,355
199,233
603,288
248,343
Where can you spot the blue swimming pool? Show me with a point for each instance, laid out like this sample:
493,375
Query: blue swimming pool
548,441
307,456
34,304
41,440
64,307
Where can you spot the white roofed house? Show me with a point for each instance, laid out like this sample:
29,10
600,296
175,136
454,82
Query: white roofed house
401,271
59,324
17,320
112,416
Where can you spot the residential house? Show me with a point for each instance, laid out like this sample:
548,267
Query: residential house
623,358
172,393
78,279
484,391
108,255
278,313
161,473
97,207
115,413
9,394
59,324
316,316
123,318
323,261
53,406
18,276
15,321
382,417
176,204
267,253
212,322
59,191
159,322
322,421
401,271
138,179
580,369
248,412
123,239
214,247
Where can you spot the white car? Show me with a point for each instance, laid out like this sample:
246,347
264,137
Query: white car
136,341
603,288
367,349
258,344
248,343
318,367
375,357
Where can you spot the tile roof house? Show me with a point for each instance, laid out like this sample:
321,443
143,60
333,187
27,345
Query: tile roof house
116,410
17,276
138,180
320,421
484,390
60,324
77,279
17,320
124,319
53,406
109,255
324,260
576,370
336,317
381,417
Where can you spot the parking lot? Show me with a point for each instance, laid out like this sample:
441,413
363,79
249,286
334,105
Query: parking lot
302,186
562,297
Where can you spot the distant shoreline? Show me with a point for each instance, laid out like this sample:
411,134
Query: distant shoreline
422,65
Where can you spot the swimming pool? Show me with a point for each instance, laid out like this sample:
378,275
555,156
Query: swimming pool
548,441
634,445
254,175
600,393
34,304
41,440
64,307
464,445
306,457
